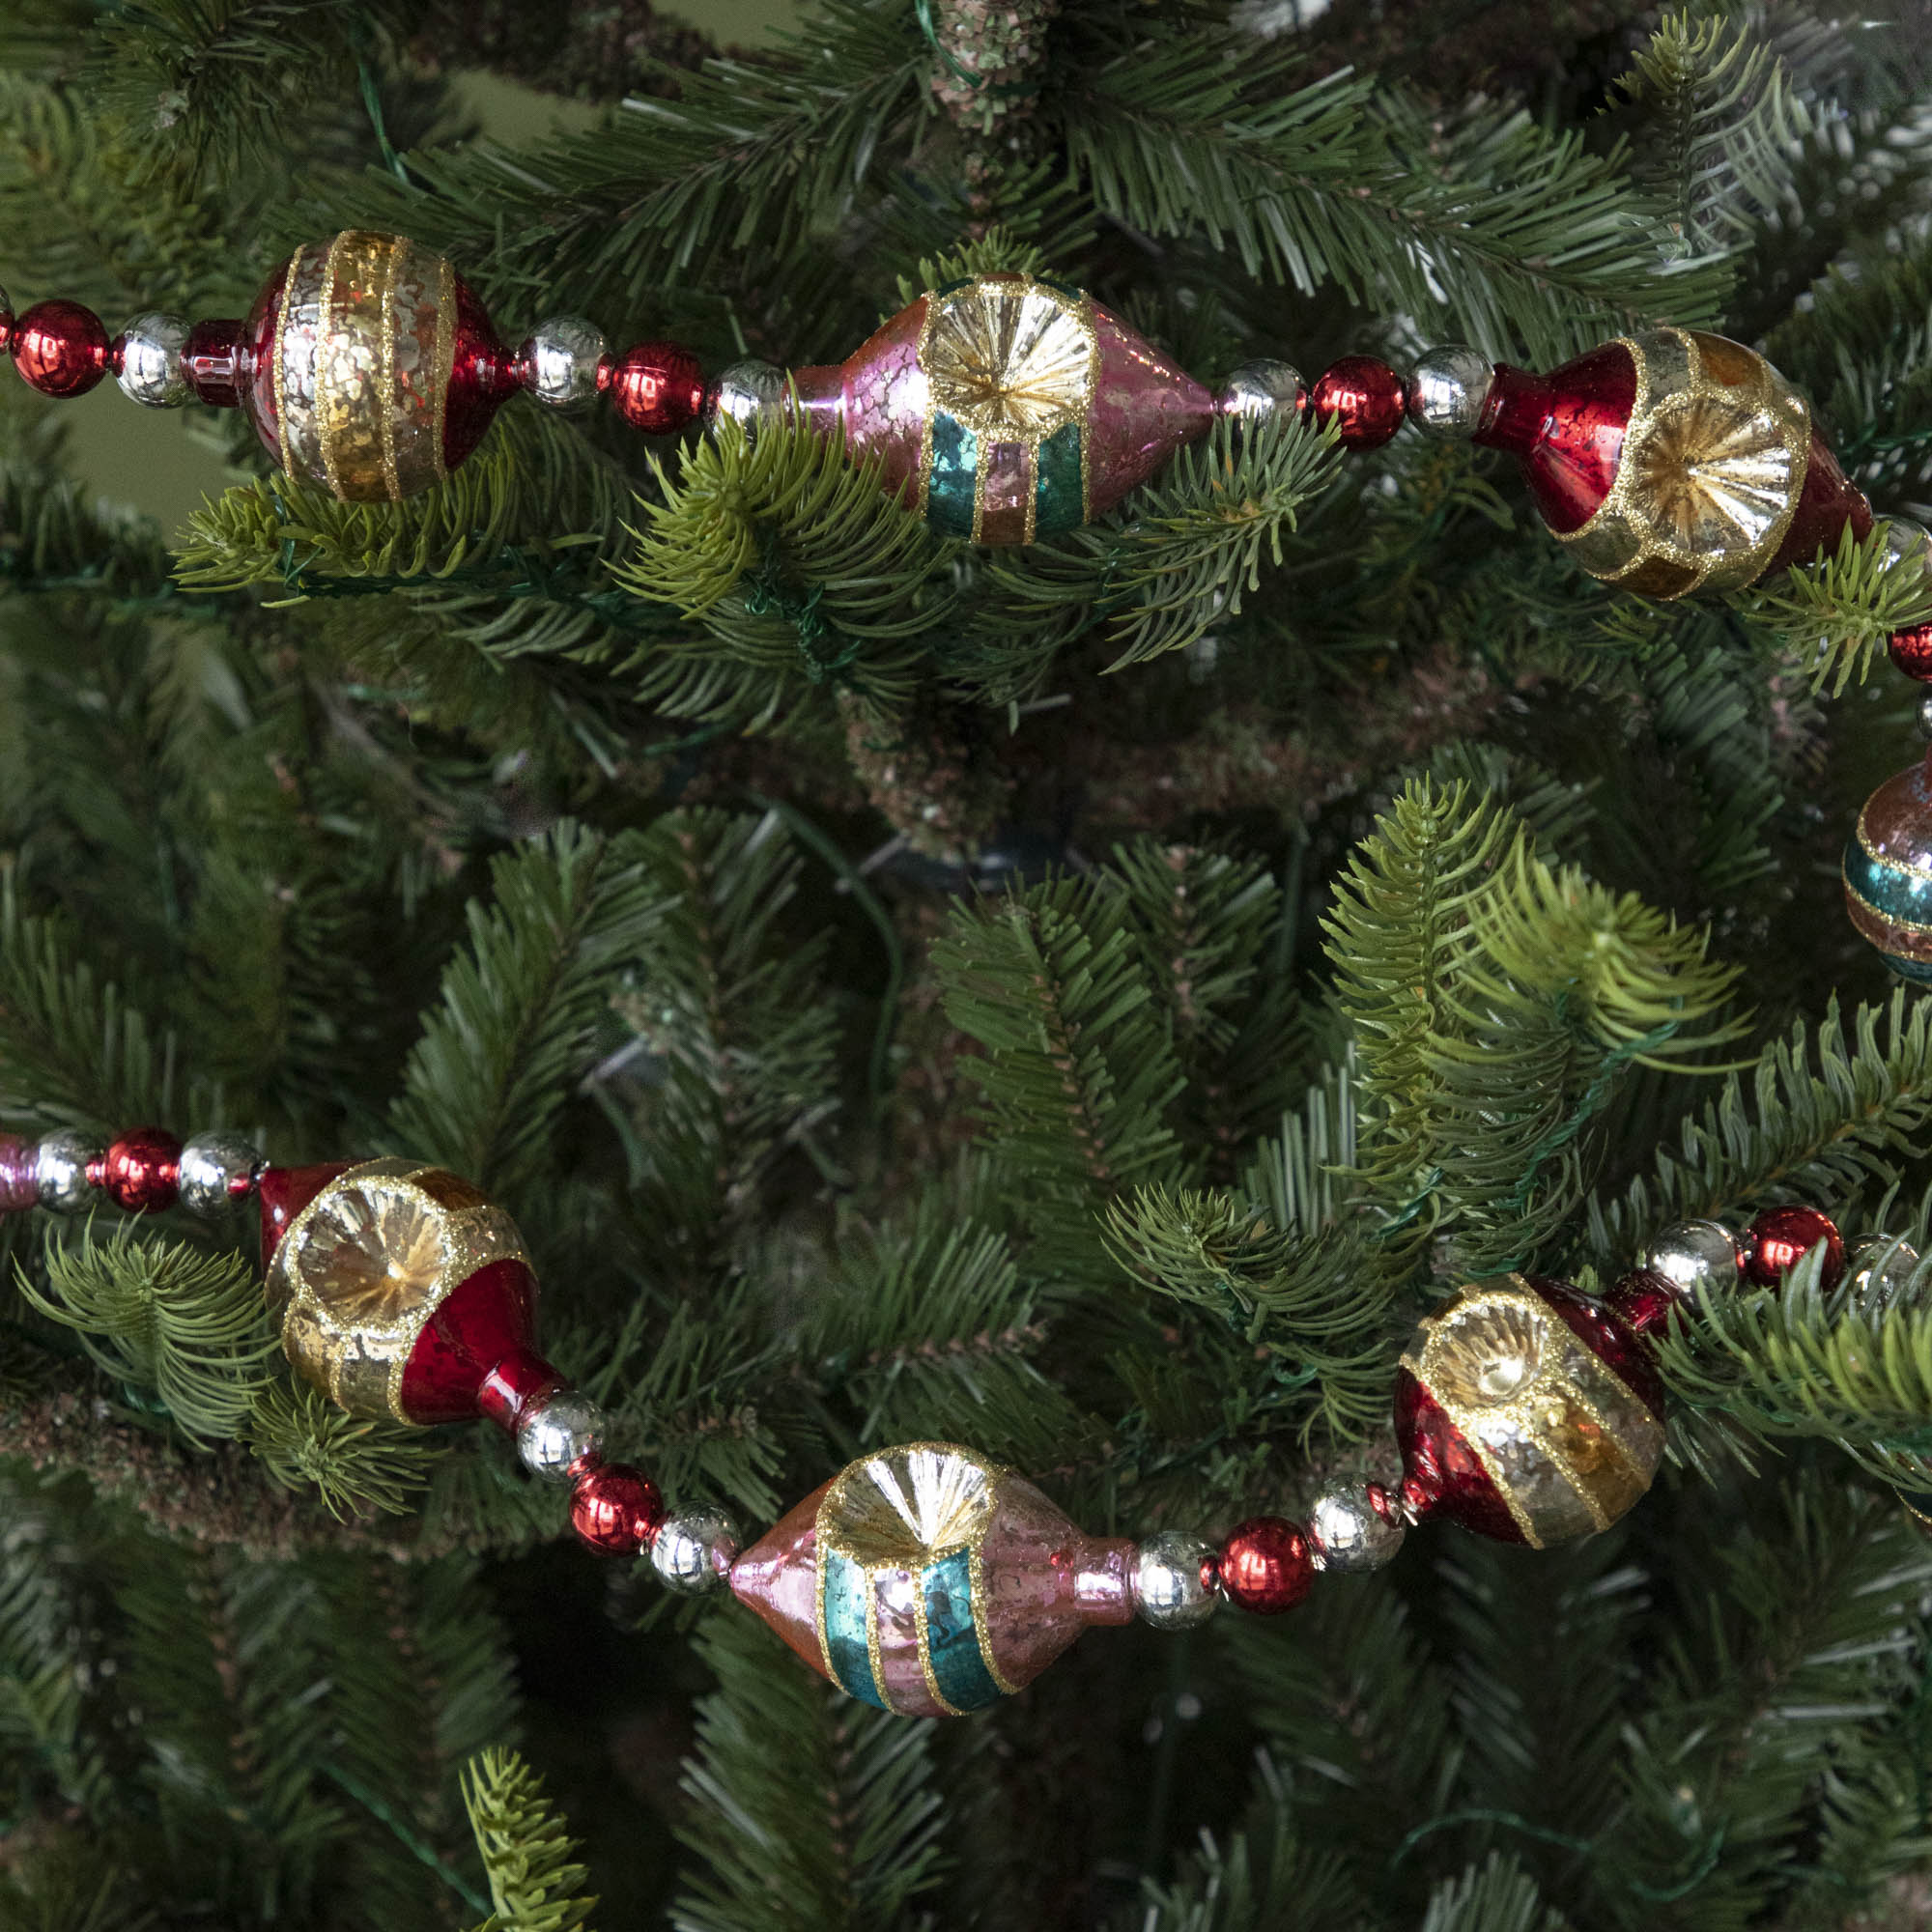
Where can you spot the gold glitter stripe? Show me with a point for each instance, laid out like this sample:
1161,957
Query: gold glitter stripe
445,361
981,1629
386,360
1032,489
924,1625
1878,858
324,401
281,350
931,407
872,1656
818,1592
1891,918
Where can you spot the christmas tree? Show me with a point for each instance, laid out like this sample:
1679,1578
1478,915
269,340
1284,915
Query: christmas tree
1086,999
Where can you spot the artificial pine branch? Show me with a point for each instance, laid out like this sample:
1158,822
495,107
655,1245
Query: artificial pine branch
526,1850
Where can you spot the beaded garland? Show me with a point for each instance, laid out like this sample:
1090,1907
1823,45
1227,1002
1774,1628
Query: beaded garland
925,1578
1004,407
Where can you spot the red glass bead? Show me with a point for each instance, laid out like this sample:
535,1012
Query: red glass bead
616,1508
1266,1565
19,1187
657,387
140,1172
1643,1301
214,361
1910,651
1363,396
59,348
1780,1237
1566,429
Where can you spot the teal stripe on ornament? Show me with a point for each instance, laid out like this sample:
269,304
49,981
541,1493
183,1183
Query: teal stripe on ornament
1890,890
848,1590
1060,502
958,1667
956,467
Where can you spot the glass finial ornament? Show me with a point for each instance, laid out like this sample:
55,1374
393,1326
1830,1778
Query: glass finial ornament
367,366
1887,872
930,1582
1673,461
1527,1413
405,1295
1004,407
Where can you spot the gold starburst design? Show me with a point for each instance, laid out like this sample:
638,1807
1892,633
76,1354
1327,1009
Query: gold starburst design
1714,476
1485,1351
371,1254
1011,361
908,1506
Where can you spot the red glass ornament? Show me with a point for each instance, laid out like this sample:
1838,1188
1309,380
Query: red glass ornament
19,1183
1266,1565
140,1172
1363,396
1642,1302
1780,1237
617,1509
657,387
1910,651
1566,429
474,1355
59,348
215,362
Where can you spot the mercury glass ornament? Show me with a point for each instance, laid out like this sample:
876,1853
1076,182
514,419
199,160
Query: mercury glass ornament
1174,1581
1448,390
557,1432
61,1161
1907,544
1700,1258
1527,1413
560,359
217,1169
1350,1533
1880,1268
404,1292
929,1581
148,359
371,368
1261,391
1674,460
1003,407
692,1553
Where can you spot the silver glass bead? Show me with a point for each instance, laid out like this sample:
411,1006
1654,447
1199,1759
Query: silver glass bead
749,394
214,1166
1172,1580
1448,388
1908,543
1701,1257
149,352
1879,1268
1924,716
694,1552
1348,1533
1261,391
60,1170
556,1431
560,359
